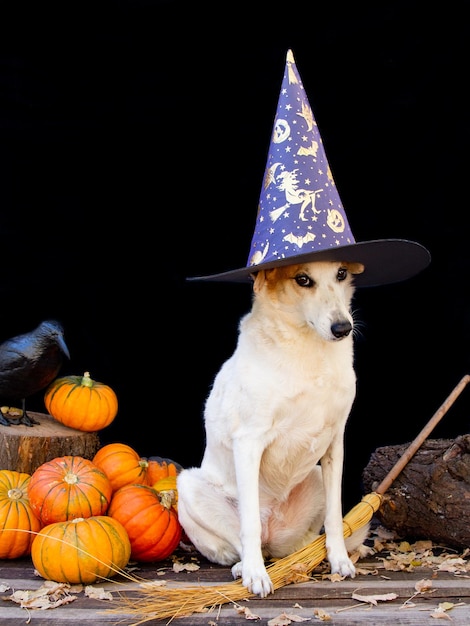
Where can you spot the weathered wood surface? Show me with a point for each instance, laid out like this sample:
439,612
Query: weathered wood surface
302,600
431,497
24,448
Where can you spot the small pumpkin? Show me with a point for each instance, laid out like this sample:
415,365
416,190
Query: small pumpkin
68,487
161,467
18,522
121,464
81,402
82,550
154,529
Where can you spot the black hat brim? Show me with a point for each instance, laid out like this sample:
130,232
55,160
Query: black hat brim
386,261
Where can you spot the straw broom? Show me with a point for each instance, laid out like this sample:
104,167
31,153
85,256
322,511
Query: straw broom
163,603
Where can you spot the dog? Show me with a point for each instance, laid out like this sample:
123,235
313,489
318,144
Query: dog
271,473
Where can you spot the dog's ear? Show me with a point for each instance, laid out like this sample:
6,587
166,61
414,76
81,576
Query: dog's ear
356,268
259,279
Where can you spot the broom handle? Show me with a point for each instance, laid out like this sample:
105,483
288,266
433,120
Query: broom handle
414,445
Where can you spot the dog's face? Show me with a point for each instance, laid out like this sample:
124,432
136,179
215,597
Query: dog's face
316,294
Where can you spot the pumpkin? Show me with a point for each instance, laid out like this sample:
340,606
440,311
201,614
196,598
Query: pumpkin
154,529
82,550
121,464
167,491
161,467
81,402
18,522
68,487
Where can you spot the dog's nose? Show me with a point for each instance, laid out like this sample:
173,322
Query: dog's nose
341,329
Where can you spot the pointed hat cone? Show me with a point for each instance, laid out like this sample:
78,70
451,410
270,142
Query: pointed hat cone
300,214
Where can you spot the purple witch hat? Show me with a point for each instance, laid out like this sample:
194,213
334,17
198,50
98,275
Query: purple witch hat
300,215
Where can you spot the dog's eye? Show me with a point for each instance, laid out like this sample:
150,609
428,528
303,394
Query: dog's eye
304,281
342,274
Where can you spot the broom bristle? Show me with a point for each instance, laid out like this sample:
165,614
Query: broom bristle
172,602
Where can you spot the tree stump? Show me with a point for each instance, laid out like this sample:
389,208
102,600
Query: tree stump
430,499
25,448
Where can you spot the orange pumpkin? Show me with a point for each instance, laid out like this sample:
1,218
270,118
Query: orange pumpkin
81,550
154,529
68,487
160,467
81,402
18,522
121,464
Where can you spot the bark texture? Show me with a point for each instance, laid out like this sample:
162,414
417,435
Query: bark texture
25,448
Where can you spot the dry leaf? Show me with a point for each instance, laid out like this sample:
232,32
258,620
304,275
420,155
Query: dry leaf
440,614
423,585
188,567
298,574
423,545
454,565
97,593
284,619
446,606
244,610
49,596
373,599
335,578
280,620
321,615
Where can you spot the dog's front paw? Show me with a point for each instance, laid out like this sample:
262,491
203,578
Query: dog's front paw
257,581
342,566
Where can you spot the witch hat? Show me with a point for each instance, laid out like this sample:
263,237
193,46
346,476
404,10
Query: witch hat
300,215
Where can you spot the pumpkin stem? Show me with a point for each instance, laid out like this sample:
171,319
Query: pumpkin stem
15,493
86,380
167,498
70,478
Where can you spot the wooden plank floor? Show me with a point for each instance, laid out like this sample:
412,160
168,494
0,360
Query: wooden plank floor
319,599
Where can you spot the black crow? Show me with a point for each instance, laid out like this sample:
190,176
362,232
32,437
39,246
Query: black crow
28,363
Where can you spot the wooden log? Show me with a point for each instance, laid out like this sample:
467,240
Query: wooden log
430,498
24,448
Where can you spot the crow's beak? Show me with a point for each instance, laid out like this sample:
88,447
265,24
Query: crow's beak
63,346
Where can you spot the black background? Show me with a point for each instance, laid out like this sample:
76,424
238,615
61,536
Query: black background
133,140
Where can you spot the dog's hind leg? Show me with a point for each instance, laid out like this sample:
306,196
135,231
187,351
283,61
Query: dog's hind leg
209,517
296,521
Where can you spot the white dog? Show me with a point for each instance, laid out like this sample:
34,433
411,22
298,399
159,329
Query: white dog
271,474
